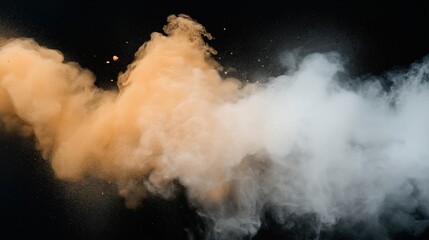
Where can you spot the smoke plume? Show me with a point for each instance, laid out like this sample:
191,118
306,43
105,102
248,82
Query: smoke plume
307,143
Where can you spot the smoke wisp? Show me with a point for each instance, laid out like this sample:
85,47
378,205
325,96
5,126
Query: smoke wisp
302,143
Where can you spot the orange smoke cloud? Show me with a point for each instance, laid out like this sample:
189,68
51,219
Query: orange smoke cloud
158,128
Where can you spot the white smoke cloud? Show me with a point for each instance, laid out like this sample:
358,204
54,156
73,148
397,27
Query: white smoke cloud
338,153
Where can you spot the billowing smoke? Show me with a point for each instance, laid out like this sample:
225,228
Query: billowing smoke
308,143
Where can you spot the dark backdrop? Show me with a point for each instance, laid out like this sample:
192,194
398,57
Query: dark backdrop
371,36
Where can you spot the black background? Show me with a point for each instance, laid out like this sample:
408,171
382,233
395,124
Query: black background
371,36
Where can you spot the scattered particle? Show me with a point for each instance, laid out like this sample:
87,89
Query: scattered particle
107,62
225,72
220,58
126,42
259,60
115,58
102,193
231,53
263,65
111,80
224,28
